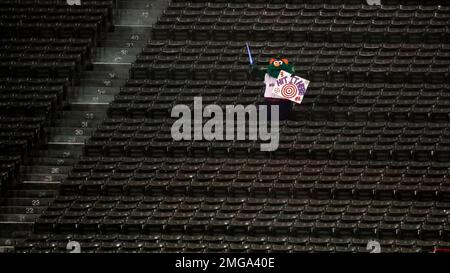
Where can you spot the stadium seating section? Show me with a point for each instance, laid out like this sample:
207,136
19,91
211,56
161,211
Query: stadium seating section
44,46
365,156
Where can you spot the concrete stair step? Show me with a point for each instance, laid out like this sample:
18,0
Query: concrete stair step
15,230
111,67
55,140
89,107
50,161
129,43
94,98
76,122
145,4
118,51
91,115
59,151
42,185
7,249
43,179
101,83
69,131
115,59
47,170
91,99
21,210
31,193
16,234
26,201
124,32
18,217
135,17
100,75
86,92
7,242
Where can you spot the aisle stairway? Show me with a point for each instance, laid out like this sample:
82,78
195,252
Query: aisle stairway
85,107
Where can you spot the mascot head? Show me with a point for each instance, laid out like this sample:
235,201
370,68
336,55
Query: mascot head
278,64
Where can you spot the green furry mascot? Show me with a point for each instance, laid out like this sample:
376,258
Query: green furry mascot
276,65
270,75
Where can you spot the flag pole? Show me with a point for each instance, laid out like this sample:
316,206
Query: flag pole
249,54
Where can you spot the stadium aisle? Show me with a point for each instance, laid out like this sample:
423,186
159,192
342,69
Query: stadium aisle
83,108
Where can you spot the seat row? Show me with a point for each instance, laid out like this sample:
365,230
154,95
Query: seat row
297,150
255,167
278,165
163,243
404,62
370,33
51,30
284,14
20,15
44,46
244,178
318,98
307,4
362,114
203,52
172,86
140,109
354,73
34,105
62,202
37,53
53,91
39,16
308,48
18,134
302,19
33,92
422,132
390,100
301,129
27,57
32,82
9,167
414,2
60,7
39,69
395,57
52,3
55,19
221,185
339,92
220,216
408,111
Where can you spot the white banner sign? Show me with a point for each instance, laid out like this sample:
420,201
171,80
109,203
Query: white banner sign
289,87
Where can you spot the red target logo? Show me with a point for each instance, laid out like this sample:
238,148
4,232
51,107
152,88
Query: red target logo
289,91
